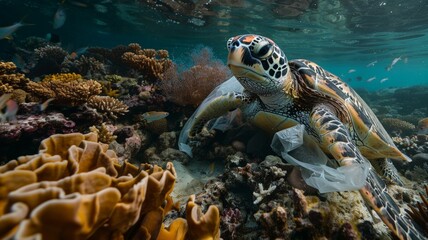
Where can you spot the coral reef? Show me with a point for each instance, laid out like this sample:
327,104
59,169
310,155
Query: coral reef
10,80
109,106
104,134
67,89
397,126
78,184
124,60
151,63
29,130
190,87
48,60
89,67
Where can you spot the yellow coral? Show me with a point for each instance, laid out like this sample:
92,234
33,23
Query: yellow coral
9,79
104,135
66,88
108,105
74,188
151,63
62,77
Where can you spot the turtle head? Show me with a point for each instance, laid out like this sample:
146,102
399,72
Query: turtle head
258,63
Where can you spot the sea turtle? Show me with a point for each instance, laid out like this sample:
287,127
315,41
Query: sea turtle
285,93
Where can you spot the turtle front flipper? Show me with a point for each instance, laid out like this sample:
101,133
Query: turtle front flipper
335,138
217,107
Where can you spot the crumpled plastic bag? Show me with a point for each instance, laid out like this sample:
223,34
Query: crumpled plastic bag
222,123
312,161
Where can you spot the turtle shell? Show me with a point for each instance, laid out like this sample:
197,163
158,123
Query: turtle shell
366,130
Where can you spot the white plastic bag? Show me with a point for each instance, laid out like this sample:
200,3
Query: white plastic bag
312,161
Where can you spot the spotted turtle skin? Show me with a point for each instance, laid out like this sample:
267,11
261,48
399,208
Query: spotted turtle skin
280,94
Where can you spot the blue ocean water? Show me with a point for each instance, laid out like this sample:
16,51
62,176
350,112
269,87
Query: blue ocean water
342,36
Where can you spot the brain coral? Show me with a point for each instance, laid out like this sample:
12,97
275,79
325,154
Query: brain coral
75,188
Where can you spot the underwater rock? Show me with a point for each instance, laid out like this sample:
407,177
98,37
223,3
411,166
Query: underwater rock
28,130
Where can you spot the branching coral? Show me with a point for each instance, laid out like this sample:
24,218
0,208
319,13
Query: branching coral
193,85
67,88
9,79
108,105
86,66
104,135
51,52
48,60
76,189
151,63
398,126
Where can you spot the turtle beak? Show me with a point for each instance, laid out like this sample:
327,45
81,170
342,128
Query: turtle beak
242,64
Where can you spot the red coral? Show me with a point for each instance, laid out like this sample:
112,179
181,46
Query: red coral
193,85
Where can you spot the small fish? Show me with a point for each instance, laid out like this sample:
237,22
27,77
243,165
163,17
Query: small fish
78,4
59,18
7,31
100,8
154,116
371,64
423,126
53,38
11,110
100,22
383,80
393,63
45,104
212,168
79,52
359,78
351,70
406,60
371,79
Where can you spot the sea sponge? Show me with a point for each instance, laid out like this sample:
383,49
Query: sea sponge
74,188
9,79
68,89
108,105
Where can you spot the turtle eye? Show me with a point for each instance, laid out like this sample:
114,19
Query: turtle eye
263,50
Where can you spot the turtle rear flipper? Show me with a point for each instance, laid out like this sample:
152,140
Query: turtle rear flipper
336,139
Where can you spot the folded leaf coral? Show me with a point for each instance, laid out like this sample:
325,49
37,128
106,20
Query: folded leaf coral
75,188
